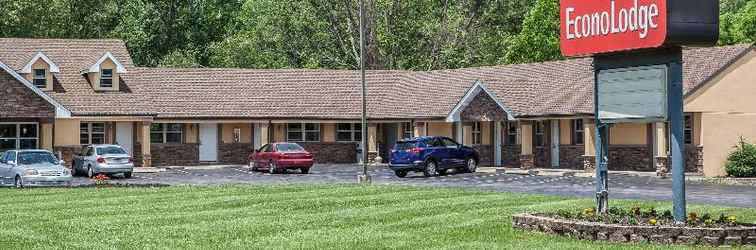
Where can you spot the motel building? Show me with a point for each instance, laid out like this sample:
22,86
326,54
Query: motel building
62,94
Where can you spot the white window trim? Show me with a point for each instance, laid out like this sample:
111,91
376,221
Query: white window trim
164,134
542,126
90,132
407,128
514,124
44,77
575,131
95,68
354,129
18,137
477,133
689,127
304,132
111,78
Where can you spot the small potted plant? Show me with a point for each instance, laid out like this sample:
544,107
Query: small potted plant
101,180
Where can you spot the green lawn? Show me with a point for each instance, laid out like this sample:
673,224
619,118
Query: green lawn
284,216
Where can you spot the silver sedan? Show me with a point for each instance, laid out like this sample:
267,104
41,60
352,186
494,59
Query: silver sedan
33,168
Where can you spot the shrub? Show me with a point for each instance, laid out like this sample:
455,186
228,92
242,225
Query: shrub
742,162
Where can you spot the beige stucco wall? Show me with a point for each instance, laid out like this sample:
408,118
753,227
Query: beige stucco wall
328,132
66,132
191,133
565,133
420,128
440,129
628,134
46,136
227,132
727,110
41,64
589,133
278,132
526,133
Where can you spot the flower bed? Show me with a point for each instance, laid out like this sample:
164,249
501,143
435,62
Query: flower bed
639,225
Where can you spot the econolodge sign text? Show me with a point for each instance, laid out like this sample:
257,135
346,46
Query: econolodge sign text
599,26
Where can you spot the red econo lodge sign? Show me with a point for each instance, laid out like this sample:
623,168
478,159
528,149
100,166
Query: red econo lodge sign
602,26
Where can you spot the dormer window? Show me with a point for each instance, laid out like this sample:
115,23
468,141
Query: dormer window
39,71
106,78
105,74
40,78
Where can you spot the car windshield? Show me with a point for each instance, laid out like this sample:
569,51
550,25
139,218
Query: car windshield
405,145
289,148
110,151
28,158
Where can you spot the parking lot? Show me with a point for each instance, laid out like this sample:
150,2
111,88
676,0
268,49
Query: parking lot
621,186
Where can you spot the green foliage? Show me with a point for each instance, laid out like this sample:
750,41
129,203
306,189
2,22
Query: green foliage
737,21
539,39
742,161
643,214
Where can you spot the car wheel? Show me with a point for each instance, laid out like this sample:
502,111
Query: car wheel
471,165
305,170
127,175
272,168
90,172
400,174
19,182
431,169
252,166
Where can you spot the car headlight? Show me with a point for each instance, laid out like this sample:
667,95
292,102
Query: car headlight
31,172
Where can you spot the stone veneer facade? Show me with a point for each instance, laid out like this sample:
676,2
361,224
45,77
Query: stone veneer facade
332,152
571,156
67,153
630,158
169,154
235,153
18,101
510,155
483,108
485,152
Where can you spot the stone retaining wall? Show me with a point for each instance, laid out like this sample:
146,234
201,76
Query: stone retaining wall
732,236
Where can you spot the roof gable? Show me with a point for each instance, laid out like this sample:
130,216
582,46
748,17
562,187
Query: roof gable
96,67
470,97
40,56
60,110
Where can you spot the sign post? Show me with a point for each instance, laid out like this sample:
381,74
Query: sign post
637,50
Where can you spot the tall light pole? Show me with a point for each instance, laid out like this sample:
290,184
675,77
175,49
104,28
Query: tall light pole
364,178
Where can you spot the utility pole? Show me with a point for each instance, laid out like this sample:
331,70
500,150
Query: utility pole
364,178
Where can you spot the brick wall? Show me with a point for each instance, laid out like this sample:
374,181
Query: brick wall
67,152
571,156
17,100
630,158
169,154
483,108
510,155
694,159
542,157
235,153
332,152
485,152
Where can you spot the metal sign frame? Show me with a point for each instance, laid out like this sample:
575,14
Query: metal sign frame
672,58
660,116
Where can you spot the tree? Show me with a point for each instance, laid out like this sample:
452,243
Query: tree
539,39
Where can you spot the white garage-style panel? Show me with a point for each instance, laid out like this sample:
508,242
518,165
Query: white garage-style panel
208,138
125,136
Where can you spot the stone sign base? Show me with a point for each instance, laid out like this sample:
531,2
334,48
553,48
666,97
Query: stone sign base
730,236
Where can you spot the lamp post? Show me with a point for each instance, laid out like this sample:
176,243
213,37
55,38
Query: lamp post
364,178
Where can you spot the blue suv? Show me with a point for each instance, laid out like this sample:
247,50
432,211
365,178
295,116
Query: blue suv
432,155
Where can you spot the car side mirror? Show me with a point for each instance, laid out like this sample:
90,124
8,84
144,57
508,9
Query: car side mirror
257,151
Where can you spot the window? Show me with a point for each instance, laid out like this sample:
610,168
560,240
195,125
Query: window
407,130
512,132
302,132
449,143
40,78
91,133
539,133
237,135
688,129
477,137
578,134
18,136
106,78
348,132
166,133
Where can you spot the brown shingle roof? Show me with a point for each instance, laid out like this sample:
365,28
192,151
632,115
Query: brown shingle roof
537,89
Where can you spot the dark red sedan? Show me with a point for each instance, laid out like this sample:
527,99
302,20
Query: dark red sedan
278,157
